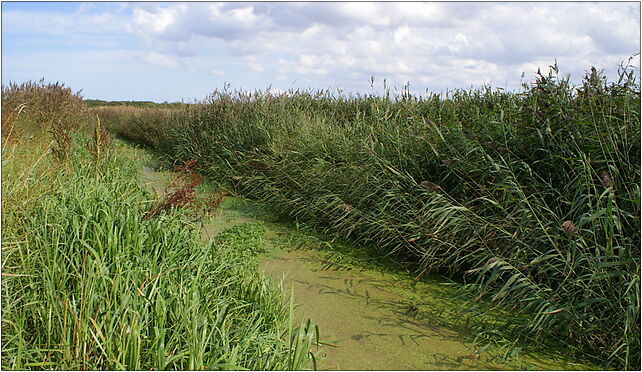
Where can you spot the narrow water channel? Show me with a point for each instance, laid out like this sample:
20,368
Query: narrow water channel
365,319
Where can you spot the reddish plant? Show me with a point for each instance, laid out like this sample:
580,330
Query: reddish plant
62,139
210,205
181,193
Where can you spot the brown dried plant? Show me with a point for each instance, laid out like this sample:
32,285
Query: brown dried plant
182,193
100,144
61,146
9,119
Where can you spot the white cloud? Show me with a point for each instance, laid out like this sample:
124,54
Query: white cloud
84,20
253,64
161,60
155,22
432,45
453,44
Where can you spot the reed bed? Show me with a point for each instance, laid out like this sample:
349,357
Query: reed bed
88,282
531,199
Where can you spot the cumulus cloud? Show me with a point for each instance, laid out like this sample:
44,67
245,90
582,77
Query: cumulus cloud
433,46
88,18
182,21
161,60
445,44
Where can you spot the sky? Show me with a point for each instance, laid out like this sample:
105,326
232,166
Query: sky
184,51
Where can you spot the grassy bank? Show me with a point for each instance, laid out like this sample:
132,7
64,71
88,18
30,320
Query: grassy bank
531,198
91,281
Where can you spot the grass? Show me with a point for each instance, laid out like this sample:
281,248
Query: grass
532,198
89,283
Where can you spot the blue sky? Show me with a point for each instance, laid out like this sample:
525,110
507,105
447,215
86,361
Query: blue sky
183,51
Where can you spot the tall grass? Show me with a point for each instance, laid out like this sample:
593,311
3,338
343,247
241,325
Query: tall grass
532,198
89,283
145,125
34,107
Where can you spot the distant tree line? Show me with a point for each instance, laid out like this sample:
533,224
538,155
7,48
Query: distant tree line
100,102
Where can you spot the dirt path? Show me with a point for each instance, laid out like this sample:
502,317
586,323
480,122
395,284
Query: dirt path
364,318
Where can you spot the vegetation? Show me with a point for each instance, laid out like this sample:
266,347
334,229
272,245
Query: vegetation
531,198
132,122
32,108
148,104
91,280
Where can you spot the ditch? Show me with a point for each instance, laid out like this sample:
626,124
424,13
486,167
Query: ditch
369,317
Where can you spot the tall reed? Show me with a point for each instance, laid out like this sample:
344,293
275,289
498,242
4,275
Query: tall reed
531,198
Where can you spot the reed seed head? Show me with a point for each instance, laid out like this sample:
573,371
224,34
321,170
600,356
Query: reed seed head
429,186
346,207
606,180
569,227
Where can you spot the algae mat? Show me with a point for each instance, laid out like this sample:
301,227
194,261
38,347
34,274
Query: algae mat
364,319
360,329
